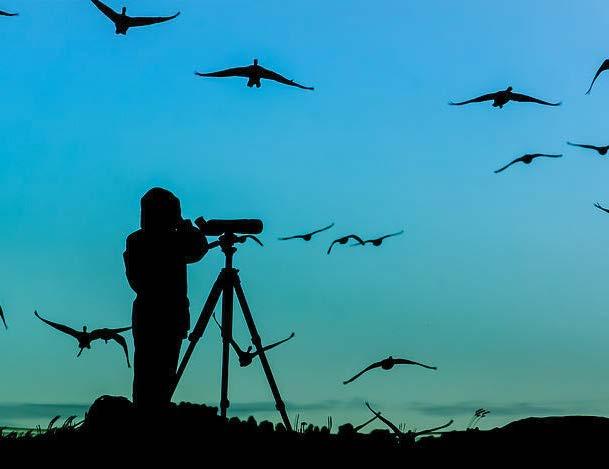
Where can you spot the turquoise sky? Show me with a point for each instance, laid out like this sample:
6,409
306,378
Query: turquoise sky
499,280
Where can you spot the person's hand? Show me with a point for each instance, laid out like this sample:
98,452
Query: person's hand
200,222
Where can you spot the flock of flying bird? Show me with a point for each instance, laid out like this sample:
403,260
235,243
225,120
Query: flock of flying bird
254,74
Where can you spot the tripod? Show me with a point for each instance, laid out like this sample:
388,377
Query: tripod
227,283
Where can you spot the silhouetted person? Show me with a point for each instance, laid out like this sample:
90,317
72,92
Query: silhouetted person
247,357
344,240
85,338
155,260
254,73
604,66
600,207
307,236
602,150
6,13
122,22
387,364
526,159
378,241
501,98
2,317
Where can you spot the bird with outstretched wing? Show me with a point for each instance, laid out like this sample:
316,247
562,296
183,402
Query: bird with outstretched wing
254,73
307,236
124,22
387,364
526,159
85,338
246,357
379,241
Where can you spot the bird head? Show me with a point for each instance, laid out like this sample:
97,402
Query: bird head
124,11
509,88
255,61
84,329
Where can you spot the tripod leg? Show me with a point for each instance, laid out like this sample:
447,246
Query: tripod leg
227,335
258,344
197,331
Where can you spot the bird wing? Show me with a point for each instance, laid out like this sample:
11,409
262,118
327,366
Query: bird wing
600,207
604,66
290,237
431,430
395,429
523,98
332,245
60,327
537,155
590,147
370,367
403,361
356,238
270,75
106,10
321,229
148,20
6,13
275,344
2,317
229,72
392,234
107,334
479,99
508,165
359,427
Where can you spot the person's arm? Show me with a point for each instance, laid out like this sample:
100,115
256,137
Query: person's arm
130,257
194,242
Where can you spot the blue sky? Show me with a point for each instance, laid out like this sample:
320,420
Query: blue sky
498,280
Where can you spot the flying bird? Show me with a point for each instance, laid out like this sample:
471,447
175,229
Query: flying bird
122,22
379,241
85,338
246,357
6,13
526,159
501,98
307,236
408,437
604,66
601,150
254,73
2,317
600,207
344,240
387,364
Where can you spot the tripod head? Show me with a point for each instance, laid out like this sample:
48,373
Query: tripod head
226,229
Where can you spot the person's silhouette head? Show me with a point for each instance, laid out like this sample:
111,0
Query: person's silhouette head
160,210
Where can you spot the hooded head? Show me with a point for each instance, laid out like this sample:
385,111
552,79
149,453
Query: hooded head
160,210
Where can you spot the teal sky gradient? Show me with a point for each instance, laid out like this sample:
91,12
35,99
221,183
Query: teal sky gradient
499,280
